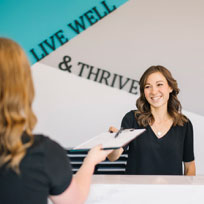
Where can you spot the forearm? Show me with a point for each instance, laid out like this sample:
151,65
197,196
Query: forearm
83,179
189,172
189,168
115,154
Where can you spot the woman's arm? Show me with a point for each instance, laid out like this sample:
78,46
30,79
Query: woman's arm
189,168
78,190
188,152
116,153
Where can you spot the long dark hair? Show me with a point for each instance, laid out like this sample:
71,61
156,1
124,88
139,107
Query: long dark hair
143,113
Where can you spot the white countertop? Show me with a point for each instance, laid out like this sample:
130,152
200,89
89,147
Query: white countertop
131,189
134,179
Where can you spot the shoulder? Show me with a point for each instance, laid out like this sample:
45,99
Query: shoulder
130,114
186,128
50,146
188,123
55,156
47,141
129,120
50,163
47,147
43,141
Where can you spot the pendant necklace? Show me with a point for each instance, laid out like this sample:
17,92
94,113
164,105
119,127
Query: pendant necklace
159,133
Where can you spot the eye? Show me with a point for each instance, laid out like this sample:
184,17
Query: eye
147,86
160,84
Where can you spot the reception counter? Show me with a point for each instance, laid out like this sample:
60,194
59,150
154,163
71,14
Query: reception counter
130,189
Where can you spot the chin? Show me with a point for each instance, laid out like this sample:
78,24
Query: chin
158,105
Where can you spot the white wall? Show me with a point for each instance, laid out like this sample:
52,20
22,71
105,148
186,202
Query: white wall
71,110
137,35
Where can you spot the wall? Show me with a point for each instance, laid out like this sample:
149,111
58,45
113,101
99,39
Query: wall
96,83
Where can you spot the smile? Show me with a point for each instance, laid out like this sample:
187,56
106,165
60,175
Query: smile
156,98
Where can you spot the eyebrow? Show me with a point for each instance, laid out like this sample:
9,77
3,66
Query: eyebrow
159,81
156,82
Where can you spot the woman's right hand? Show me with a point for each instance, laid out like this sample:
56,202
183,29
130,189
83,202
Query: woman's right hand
97,155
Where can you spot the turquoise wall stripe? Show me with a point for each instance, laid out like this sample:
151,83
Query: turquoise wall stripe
29,22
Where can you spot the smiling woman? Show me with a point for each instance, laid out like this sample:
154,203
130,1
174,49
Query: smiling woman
157,90
167,142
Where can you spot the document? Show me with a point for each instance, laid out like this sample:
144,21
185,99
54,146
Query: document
111,140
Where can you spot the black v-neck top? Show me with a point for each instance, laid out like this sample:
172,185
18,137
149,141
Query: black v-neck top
150,155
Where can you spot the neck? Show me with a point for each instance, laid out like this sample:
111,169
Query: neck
160,114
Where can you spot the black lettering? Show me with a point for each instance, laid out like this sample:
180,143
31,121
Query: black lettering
82,67
61,38
134,86
78,25
35,55
64,65
113,81
42,47
98,14
105,78
107,8
121,85
92,73
52,45
90,18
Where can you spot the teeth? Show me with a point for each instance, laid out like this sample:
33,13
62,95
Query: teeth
156,98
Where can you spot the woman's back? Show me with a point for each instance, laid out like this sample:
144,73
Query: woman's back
33,167
44,171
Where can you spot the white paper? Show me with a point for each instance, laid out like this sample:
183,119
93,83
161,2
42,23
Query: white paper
108,140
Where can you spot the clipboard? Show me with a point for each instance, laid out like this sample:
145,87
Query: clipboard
110,140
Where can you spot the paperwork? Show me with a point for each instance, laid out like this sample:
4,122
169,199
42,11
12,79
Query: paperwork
109,141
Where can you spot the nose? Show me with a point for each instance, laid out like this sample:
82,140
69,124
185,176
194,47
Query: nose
154,90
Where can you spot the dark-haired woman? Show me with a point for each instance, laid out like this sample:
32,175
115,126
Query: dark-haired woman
167,143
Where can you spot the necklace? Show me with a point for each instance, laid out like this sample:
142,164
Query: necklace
159,133
160,128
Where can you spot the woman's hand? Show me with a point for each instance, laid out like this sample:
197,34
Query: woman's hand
97,155
112,129
114,155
